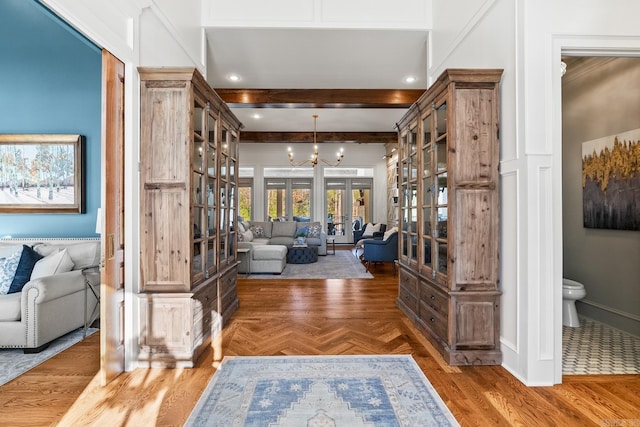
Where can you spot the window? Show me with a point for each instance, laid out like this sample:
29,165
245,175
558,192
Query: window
245,193
289,198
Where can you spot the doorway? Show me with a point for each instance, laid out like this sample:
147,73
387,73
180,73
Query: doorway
601,259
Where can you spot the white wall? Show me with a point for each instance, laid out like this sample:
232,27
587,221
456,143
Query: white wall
261,155
127,29
405,14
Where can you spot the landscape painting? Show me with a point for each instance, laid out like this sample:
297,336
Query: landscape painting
611,181
41,173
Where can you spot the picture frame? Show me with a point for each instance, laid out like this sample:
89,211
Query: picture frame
42,173
611,182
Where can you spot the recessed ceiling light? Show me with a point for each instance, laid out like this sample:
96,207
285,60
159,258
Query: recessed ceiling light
233,77
256,116
409,79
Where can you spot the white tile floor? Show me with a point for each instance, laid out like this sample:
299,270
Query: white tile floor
596,348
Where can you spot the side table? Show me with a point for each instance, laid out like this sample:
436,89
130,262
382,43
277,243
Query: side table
331,240
245,253
91,271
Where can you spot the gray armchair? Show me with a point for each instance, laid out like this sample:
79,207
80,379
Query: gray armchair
381,250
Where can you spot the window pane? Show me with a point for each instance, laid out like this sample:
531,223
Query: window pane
245,202
361,208
276,202
301,203
335,211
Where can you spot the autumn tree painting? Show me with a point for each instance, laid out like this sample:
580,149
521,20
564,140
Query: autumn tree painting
611,182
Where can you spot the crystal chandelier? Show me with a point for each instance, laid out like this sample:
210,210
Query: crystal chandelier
314,159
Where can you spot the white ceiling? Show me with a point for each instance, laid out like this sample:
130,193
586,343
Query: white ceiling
270,58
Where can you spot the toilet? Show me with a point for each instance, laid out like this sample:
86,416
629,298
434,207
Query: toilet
571,291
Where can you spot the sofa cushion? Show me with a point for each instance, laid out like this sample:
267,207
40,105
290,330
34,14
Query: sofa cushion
314,241
285,241
28,259
267,252
260,241
84,254
55,263
284,229
10,309
8,267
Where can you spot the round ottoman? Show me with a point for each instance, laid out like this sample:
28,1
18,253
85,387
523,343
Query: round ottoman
302,254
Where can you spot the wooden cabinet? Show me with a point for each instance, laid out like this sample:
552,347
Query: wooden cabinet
188,172
449,216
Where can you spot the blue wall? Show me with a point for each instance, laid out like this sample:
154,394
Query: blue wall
50,82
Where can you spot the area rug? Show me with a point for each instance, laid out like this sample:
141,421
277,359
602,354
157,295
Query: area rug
349,391
342,265
13,361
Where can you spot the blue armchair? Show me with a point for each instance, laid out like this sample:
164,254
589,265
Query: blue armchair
381,250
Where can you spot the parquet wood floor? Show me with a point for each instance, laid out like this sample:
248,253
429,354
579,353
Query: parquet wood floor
311,317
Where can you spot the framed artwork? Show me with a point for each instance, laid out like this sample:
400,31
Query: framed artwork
41,173
611,181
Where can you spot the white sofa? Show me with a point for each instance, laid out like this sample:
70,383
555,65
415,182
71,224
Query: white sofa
263,258
50,306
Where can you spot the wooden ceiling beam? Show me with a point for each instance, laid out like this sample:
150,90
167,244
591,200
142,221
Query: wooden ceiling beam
294,137
319,98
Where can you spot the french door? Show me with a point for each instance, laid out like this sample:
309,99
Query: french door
348,203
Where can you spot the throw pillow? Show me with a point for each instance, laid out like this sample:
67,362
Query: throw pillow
8,267
370,229
258,231
389,232
28,259
241,228
247,236
302,231
58,262
314,231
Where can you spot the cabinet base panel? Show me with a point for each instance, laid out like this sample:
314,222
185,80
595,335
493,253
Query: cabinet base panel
469,357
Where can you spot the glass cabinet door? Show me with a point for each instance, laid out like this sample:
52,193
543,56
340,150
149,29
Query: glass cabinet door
198,160
210,196
427,193
412,224
441,189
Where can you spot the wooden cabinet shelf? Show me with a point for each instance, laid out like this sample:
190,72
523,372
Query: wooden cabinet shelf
188,161
449,216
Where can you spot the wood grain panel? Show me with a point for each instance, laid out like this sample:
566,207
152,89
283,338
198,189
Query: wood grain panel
165,269
319,98
475,240
165,162
307,137
476,143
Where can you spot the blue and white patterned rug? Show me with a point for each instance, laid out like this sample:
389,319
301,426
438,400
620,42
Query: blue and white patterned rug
13,361
315,391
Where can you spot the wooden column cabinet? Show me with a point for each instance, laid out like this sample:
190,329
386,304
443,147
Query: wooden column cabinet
449,216
188,197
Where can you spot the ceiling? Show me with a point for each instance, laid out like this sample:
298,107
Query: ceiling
373,63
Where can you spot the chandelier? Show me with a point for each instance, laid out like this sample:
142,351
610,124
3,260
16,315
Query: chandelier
314,158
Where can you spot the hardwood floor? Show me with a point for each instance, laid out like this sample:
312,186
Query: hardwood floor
309,317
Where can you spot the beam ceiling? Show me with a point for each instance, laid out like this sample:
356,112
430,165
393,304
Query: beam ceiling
319,98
